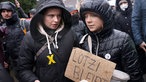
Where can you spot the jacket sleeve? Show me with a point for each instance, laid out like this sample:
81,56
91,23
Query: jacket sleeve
117,21
2,31
4,75
130,60
26,61
22,13
136,22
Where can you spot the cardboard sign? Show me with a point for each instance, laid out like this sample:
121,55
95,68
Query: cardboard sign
83,65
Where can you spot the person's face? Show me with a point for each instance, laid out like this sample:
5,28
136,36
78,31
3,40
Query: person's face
6,14
31,15
52,18
124,5
93,22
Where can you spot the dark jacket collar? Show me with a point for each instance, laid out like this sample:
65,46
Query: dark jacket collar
13,20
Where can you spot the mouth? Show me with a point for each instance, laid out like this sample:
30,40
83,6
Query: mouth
90,26
7,17
55,25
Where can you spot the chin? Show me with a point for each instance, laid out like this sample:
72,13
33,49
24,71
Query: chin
53,28
92,30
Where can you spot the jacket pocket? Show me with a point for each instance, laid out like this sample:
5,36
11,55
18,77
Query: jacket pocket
48,74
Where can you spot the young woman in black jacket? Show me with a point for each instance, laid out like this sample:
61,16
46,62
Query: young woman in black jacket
106,42
48,45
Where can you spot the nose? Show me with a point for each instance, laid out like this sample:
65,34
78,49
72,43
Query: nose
88,19
56,18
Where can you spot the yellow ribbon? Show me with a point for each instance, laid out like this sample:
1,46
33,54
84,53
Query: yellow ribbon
51,60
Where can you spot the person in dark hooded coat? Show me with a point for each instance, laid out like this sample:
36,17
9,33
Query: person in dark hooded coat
14,33
123,23
48,45
77,25
123,16
104,41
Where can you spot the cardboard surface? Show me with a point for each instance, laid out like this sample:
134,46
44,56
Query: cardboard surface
83,65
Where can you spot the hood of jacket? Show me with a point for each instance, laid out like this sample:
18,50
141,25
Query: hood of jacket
127,11
102,8
8,6
37,19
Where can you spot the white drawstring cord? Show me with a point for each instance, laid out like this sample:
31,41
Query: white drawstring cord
56,43
42,31
57,31
83,38
89,41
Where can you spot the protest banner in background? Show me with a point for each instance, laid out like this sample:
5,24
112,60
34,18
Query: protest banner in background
83,65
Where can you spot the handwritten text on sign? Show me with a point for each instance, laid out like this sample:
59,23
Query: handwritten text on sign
83,65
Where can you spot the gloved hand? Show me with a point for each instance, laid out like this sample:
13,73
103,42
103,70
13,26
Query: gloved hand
83,81
119,76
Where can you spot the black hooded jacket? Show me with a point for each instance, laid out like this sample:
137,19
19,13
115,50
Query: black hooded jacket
13,33
109,43
123,18
34,40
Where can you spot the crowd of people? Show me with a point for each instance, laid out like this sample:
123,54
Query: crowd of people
36,47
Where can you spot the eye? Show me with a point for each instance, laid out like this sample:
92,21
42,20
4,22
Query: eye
8,10
59,15
51,16
86,16
94,15
3,10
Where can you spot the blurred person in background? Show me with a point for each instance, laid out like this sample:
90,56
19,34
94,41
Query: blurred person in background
21,12
77,25
32,13
14,33
139,30
123,16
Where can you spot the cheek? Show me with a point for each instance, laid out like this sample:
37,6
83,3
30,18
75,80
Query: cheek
86,21
10,13
99,22
2,14
45,19
47,22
